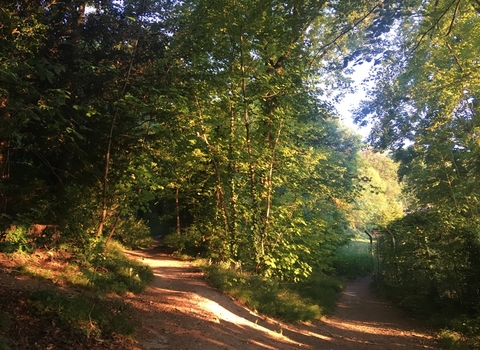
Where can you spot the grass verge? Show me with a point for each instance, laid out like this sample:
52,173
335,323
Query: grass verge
354,259
91,315
104,272
56,319
59,317
305,301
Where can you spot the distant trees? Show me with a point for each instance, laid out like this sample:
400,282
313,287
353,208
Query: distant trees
380,200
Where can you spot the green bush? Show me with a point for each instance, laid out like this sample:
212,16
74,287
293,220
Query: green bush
303,301
89,315
17,240
354,260
112,271
133,233
190,241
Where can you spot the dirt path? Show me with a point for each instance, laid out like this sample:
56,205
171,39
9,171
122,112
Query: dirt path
179,311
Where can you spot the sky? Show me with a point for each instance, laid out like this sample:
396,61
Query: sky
351,101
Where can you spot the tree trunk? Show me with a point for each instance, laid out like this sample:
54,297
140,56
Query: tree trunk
269,184
177,209
258,248
109,144
220,188
232,168
232,171
112,231
4,172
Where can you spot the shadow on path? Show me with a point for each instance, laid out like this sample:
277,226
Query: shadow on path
180,311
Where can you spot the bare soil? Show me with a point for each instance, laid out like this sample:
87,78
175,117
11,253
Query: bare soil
179,311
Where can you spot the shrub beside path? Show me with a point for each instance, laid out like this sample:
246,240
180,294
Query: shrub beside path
179,311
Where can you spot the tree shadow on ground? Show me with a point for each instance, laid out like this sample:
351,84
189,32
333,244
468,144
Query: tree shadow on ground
180,311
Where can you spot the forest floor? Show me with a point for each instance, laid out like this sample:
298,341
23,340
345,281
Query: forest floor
179,311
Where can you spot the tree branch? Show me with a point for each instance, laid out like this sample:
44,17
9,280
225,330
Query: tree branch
453,17
344,32
455,56
430,29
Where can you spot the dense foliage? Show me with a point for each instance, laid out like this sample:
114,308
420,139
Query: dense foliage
210,118
381,201
425,109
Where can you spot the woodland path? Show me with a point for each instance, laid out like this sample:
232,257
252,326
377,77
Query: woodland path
179,311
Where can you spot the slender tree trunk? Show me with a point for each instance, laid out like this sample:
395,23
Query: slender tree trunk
109,143
269,184
177,209
220,189
221,194
4,172
112,231
257,246
232,169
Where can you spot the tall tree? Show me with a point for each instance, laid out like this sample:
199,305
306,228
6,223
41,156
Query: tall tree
216,107
69,78
430,101
252,103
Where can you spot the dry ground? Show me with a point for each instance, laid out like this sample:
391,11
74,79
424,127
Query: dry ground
179,311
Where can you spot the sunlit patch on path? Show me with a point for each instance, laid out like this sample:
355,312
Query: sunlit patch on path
179,311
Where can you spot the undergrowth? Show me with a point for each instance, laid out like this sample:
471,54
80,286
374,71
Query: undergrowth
459,325
90,315
112,271
109,271
59,319
304,301
354,259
